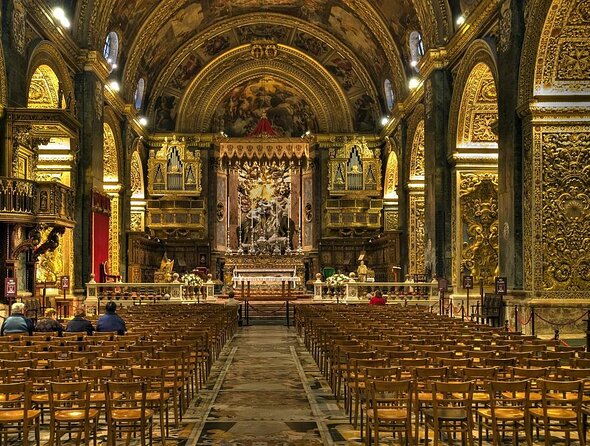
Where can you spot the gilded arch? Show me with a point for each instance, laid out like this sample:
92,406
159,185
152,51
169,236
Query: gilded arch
45,54
137,187
271,19
332,109
474,104
391,177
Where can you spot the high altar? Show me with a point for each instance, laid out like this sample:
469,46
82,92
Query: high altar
265,180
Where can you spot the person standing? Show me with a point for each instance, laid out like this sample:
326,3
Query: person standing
17,322
49,323
110,320
80,323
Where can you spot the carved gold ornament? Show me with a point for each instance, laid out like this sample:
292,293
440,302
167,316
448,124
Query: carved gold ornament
416,234
566,211
479,217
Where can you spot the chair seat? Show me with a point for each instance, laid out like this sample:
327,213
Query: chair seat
478,397
389,414
426,396
555,413
447,414
503,413
153,396
74,415
12,397
18,414
130,414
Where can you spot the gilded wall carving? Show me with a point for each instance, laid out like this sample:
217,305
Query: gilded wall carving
44,89
566,211
109,156
478,194
416,234
114,233
19,26
391,220
50,264
417,156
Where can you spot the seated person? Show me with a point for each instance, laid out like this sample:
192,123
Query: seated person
17,322
49,322
111,321
377,298
80,323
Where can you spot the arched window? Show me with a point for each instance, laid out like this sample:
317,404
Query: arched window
111,48
389,94
416,46
138,96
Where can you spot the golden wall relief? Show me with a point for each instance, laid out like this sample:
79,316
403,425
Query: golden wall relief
50,265
416,234
391,177
478,195
566,211
417,156
114,233
44,89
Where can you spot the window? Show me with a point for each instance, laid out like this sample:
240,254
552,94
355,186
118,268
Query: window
111,48
389,94
416,47
138,96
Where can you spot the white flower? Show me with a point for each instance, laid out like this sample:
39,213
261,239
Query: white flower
337,280
191,279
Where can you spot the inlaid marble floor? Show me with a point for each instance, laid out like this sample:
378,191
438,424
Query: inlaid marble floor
268,392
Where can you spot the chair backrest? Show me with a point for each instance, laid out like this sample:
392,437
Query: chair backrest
98,377
458,394
562,394
69,395
154,377
513,394
125,395
15,396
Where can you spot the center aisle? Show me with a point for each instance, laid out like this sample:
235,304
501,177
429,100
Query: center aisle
266,389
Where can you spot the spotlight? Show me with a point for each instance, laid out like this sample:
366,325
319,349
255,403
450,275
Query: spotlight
60,15
115,86
414,63
460,20
143,121
413,83
114,66
384,120
109,60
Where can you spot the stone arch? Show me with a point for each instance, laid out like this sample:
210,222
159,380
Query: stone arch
46,55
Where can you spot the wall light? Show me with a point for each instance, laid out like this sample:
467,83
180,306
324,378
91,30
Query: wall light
60,15
414,63
143,121
460,20
384,121
413,83
114,85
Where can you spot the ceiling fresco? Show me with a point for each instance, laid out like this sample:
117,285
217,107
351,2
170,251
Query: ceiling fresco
155,35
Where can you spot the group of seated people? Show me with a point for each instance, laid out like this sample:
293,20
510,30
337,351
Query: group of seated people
17,322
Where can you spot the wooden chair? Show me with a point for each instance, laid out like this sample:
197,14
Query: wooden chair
561,409
156,397
127,412
508,406
451,410
70,410
16,415
389,407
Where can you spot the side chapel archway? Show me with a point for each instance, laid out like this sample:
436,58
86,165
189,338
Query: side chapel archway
475,238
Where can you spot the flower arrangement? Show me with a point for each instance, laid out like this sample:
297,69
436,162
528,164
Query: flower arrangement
337,280
191,279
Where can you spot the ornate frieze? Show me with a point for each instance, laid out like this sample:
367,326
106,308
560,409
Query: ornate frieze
416,235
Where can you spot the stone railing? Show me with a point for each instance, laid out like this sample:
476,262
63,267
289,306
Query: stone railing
394,291
38,202
126,294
